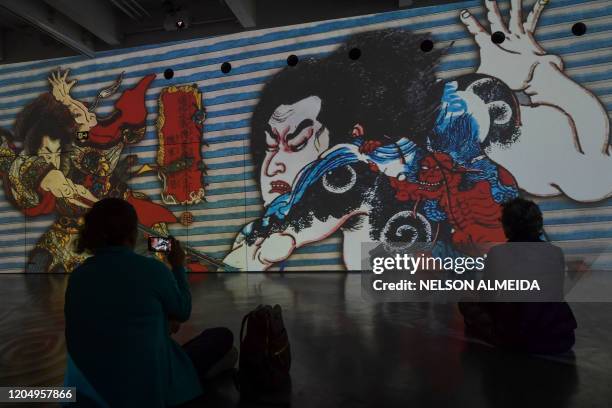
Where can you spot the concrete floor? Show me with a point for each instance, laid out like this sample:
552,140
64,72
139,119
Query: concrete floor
346,352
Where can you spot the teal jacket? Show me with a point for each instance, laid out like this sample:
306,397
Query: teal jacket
117,308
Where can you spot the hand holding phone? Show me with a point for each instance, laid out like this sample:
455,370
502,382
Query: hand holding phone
176,256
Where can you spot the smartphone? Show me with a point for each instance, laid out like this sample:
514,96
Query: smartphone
160,244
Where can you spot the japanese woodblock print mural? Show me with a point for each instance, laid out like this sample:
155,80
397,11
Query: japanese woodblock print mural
400,127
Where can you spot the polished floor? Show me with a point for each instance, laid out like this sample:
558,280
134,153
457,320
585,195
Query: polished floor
346,352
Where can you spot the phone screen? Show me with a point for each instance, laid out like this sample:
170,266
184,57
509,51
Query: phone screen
159,244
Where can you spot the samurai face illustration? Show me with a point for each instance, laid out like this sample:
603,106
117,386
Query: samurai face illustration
50,150
294,137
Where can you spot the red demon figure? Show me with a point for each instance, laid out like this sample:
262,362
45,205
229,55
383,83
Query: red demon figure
472,212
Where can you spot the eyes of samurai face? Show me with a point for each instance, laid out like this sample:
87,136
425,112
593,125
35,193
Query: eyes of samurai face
293,141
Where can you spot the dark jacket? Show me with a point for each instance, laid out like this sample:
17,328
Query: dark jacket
117,308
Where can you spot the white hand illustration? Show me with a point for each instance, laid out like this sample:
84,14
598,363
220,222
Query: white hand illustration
515,59
60,85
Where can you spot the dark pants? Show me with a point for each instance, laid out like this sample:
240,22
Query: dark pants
208,348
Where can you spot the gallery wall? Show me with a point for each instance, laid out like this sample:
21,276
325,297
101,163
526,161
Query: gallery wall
230,195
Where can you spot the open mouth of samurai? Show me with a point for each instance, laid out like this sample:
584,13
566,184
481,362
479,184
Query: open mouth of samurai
280,187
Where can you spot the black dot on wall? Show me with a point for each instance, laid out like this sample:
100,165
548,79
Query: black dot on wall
355,53
292,60
226,67
498,37
427,45
169,73
579,29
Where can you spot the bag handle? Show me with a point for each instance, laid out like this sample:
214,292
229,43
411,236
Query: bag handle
244,320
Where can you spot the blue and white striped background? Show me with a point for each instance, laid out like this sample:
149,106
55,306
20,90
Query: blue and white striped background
233,197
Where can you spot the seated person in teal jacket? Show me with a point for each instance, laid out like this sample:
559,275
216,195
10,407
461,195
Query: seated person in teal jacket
118,306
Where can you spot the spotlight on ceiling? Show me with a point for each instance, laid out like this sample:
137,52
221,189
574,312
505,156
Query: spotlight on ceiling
177,18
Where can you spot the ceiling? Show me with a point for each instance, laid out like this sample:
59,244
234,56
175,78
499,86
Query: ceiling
41,29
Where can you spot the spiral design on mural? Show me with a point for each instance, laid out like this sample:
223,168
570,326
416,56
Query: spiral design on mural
405,229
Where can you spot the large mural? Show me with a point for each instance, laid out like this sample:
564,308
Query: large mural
397,128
